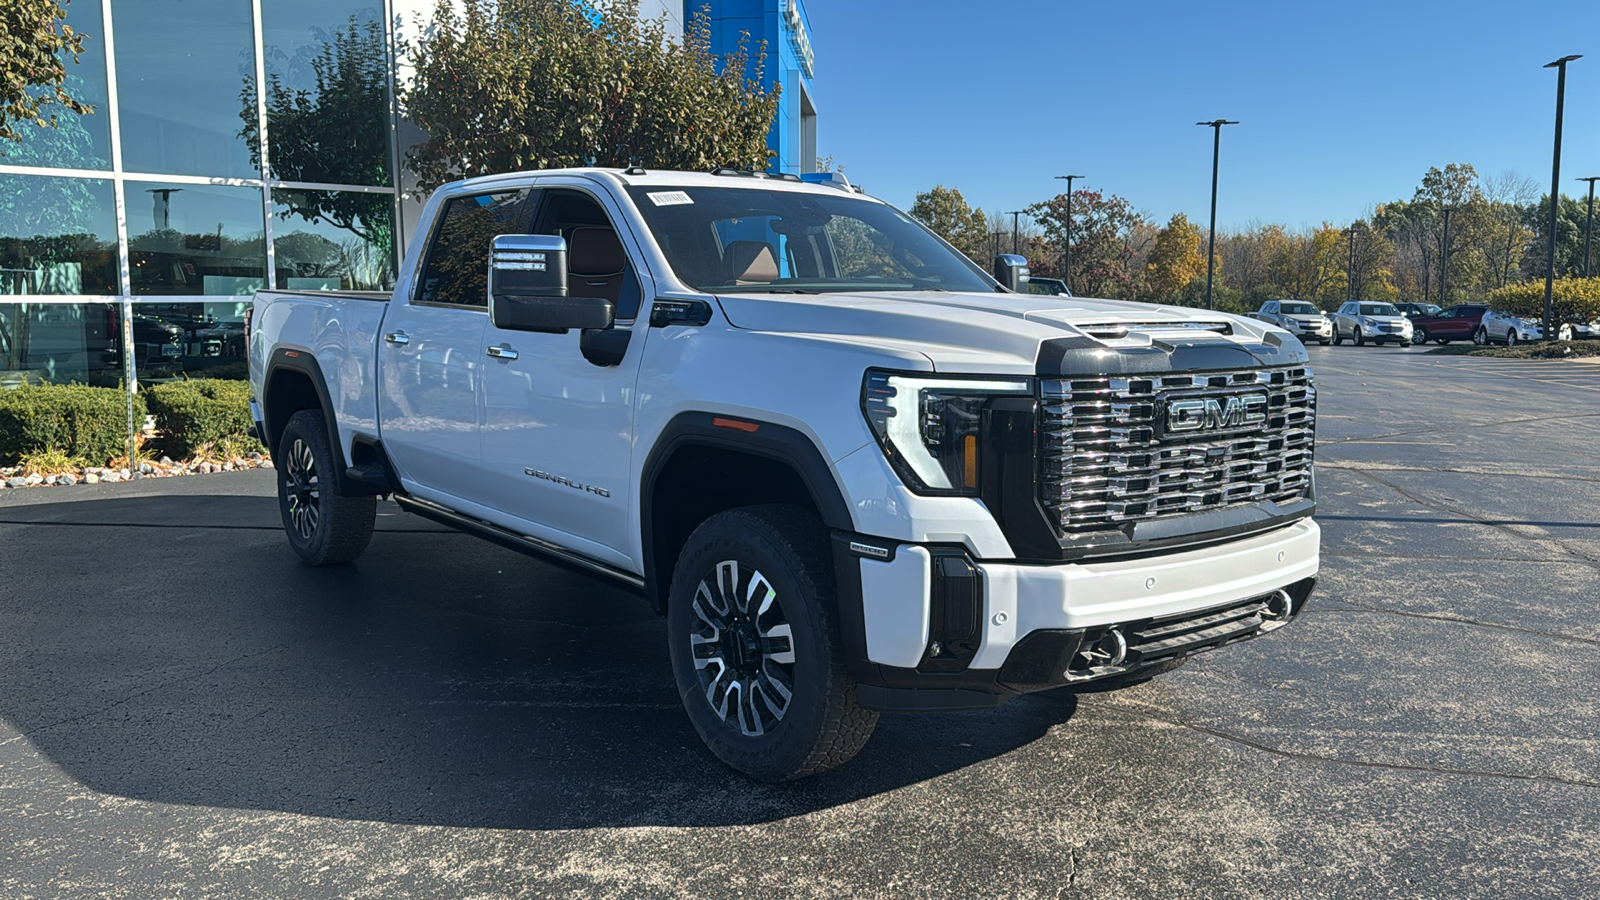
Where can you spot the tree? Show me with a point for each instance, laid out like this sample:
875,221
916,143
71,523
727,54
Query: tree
32,73
506,85
947,214
1175,260
1107,235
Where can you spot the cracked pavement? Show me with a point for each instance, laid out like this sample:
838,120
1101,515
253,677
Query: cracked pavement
186,712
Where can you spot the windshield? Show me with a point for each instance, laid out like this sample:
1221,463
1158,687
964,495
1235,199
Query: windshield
1379,309
1298,309
749,240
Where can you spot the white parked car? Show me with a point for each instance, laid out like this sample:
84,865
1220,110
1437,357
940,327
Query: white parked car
1364,321
1579,331
1303,320
1499,327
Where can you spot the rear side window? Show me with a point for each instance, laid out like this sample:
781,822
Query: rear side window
457,270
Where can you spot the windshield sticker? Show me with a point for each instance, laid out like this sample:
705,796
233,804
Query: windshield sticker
669,198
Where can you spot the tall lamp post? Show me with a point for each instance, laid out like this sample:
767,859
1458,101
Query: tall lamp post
1211,240
1444,258
1560,66
1066,255
1014,214
1588,225
1350,269
997,233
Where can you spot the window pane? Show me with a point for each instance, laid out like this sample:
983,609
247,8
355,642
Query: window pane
77,142
333,240
327,91
195,239
185,86
458,265
57,235
58,343
208,337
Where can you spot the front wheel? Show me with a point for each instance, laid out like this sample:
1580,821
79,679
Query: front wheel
324,527
1511,338
1361,339
756,651
1419,336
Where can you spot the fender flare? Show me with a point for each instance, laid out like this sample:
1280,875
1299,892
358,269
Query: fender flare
303,363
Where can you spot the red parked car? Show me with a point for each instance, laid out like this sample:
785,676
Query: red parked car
1453,323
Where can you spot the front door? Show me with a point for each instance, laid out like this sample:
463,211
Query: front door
430,354
558,428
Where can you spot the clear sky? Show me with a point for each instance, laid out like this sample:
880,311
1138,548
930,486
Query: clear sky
1343,104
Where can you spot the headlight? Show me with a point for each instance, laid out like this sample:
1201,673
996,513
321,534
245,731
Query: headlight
929,426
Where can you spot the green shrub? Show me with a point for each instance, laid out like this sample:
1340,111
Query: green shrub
86,422
195,413
1571,299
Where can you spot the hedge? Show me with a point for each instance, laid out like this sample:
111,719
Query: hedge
1571,299
198,412
86,422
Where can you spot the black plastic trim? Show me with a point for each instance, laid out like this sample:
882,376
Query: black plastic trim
303,363
1086,356
605,347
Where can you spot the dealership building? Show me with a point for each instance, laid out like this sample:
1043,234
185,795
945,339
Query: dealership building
157,209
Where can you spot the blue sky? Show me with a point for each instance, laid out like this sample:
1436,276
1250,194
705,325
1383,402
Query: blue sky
1342,104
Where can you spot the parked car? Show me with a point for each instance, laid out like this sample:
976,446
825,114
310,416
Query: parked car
1053,286
1498,327
1579,331
1303,320
1453,323
1363,321
1412,310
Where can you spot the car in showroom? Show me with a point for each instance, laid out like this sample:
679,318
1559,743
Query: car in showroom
1497,327
1371,322
1453,323
1301,319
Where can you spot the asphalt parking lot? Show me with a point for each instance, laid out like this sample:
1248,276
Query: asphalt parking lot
187,712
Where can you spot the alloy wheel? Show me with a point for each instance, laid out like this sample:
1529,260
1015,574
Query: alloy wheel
743,648
1511,338
305,493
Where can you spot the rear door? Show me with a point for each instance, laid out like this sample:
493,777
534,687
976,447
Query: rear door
430,354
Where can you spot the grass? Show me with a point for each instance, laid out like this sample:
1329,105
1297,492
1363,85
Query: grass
1552,350
45,463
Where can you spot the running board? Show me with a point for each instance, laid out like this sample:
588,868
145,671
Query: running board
521,543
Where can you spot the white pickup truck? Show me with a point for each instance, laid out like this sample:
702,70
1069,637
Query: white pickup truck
854,471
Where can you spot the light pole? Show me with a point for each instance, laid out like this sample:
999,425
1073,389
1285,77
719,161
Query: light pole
1066,255
1211,240
1588,225
1014,214
1444,258
1350,269
1560,66
997,233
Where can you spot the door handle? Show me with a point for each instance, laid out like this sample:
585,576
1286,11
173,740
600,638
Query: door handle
503,351
397,337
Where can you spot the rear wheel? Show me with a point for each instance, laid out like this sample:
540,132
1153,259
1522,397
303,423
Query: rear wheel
756,652
1338,337
1481,336
324,527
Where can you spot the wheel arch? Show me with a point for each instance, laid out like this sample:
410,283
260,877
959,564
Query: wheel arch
698,468
294,382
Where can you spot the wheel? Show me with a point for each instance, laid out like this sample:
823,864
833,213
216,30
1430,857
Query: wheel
1360,340
1338,336
1324,341
1565,333
1481,336
1511,337
1419,336
324,527
755,645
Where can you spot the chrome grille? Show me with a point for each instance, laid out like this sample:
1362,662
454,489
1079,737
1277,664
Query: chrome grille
1105,463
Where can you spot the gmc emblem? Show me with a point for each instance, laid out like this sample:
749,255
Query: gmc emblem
1214,413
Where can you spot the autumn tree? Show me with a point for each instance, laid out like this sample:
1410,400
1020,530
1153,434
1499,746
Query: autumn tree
1107,235
508,85
947,214
33,73
1175,259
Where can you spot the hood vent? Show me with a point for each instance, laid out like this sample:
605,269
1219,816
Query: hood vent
1110,331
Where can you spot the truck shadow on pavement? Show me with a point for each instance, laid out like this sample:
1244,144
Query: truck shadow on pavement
172,649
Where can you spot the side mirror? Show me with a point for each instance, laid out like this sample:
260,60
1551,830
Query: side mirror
528,287
1012,272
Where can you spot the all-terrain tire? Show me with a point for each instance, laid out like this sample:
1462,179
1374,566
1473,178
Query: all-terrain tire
821,724
324,527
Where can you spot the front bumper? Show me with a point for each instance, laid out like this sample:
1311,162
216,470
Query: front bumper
1322,332
932,635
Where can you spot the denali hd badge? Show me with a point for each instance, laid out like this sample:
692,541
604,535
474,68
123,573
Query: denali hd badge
1212,413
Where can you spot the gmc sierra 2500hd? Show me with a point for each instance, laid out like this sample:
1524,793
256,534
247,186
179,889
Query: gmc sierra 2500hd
854,471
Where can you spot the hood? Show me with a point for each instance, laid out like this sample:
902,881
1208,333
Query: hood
1023,333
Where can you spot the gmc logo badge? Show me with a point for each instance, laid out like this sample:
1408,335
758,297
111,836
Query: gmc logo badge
1214,413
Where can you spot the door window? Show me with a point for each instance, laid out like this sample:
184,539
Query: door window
597,264
457,270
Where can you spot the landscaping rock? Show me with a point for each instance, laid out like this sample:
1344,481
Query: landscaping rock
111,478
254,456
166,460
16,482
67,480
91,478
33,479
205,468
266,464
227,467
124,473
145,468
51,479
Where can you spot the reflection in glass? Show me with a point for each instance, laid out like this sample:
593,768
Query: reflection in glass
57,235
327,92
333,240
178,103
77,141
210,336
195,239
58,343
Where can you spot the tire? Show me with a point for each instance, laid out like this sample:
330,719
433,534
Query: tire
324,527
1511,337
1565,333
1419,336
1325,341
819,725
1338,337
1481,336
1361,340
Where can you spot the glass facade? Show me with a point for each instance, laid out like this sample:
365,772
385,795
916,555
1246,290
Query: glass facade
167,207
